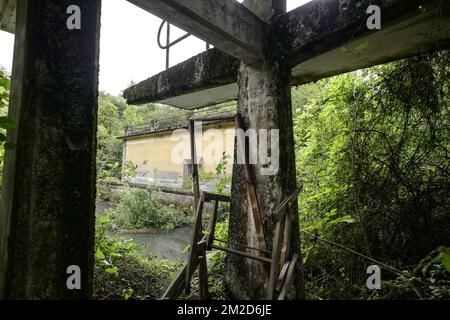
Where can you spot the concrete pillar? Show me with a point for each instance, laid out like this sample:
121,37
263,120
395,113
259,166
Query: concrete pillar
264,103
47,215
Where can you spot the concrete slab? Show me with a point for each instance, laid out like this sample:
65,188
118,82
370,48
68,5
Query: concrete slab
8,15
206,79
320,39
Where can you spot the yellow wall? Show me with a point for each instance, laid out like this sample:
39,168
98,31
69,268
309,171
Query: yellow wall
159,156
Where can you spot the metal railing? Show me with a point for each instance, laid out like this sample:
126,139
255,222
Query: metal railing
177,122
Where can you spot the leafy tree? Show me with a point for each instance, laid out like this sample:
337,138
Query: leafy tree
373,154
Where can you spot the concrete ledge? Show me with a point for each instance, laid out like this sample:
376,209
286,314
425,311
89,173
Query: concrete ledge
327,37
320,39
205,79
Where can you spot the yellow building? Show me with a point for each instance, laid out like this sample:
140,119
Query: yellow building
161,150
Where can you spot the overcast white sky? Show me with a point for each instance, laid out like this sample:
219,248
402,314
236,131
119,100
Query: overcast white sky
129,51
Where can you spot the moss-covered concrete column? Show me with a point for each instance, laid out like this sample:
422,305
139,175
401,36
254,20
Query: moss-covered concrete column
47,215
264,103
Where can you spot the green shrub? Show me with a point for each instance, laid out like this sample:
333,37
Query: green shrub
122,273
216,266
139,209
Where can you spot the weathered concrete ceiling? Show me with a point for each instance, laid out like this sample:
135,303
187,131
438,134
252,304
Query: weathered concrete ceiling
8,15
320,39
325,38
226,24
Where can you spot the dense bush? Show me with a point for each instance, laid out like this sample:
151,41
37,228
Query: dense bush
137,208
122,273
373,154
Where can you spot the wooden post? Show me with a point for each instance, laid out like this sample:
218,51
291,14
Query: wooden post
47,214
193,250
195,179
203,271
212,226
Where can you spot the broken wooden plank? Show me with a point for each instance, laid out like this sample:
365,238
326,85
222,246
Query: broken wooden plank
226,24
242,254
289,279
279,212
282,276
251,188
208,196
275,262
193,250
285,251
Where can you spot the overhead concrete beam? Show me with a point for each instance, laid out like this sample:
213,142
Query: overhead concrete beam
226,24
206,79
318,40
8,15
328,37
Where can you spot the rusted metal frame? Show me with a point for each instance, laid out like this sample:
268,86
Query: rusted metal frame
212,226
193,250
195,178
251,191
202,270
242,254
289,279
242,246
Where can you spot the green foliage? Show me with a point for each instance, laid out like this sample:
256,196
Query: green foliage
216,266
122,273
221,171
372,151
114,172
5,121
220,178
429,280
139,209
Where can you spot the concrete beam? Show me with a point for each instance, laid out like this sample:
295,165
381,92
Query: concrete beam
8,15
226,24
320,39
206,79
328,37
47,208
